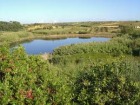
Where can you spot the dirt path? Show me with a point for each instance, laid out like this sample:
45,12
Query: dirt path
45,56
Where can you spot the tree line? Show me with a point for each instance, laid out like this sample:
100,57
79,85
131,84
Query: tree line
10,26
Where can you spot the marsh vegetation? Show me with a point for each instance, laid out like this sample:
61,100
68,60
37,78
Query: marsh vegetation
95,73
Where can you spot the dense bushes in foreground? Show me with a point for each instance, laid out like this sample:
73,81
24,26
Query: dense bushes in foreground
30,80
22,78
100,85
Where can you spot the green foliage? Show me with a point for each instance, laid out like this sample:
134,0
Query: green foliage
13,37
135,34
82,32
100,85
23,78
85,74
52,31
29,80
85,25
10,26
126,29
113,47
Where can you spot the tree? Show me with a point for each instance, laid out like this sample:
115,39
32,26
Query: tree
10,26
126,29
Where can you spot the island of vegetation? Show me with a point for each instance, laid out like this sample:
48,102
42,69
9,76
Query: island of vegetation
95,73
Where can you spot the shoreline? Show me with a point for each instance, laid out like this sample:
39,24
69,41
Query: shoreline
51,37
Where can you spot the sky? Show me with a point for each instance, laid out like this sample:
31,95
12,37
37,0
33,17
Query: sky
50,11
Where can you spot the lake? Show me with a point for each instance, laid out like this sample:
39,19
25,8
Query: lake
41,46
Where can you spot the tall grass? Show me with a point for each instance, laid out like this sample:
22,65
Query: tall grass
11,37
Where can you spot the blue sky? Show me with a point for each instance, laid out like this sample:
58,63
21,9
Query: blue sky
32,11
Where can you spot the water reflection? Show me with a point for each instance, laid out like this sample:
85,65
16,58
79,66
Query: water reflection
39,46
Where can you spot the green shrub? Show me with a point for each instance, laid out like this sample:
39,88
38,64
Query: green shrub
10,26
115,48
82,32
29,80
24,79
135,34
100,85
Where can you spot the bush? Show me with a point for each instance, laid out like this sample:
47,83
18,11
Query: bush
115,47
82,32
100,85
136,47
10,26
126,29
23,79
135,34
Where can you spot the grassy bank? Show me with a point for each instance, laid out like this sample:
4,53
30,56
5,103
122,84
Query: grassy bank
15,37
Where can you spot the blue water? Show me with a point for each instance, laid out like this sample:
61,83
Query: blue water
40,46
